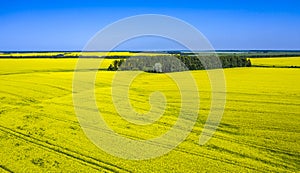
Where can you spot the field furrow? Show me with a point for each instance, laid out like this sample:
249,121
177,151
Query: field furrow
87,160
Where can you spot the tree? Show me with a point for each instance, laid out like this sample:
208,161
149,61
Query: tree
111,68
116,65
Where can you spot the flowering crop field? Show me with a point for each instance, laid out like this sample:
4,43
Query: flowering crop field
277,62
39,130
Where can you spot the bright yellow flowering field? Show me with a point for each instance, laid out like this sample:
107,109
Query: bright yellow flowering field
39,131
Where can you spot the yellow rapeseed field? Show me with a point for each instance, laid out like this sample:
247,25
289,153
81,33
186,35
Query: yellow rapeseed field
280,61
39,131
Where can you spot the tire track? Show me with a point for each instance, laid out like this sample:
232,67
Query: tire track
44,84
224,160
253,145
83,159
5,169
182,150
43,93
263,102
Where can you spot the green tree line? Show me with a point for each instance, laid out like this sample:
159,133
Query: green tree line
178,63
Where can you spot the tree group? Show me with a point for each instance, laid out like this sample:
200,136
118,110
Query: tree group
177,63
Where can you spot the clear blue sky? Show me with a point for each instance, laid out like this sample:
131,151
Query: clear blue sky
228,24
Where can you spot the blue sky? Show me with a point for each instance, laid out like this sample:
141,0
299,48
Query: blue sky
230,24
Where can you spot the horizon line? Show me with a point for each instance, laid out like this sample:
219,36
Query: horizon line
171,50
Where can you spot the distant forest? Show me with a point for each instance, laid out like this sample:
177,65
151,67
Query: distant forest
163,64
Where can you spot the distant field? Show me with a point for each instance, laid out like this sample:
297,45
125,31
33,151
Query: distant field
74,54
276,62
34,54
33,65
39,131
